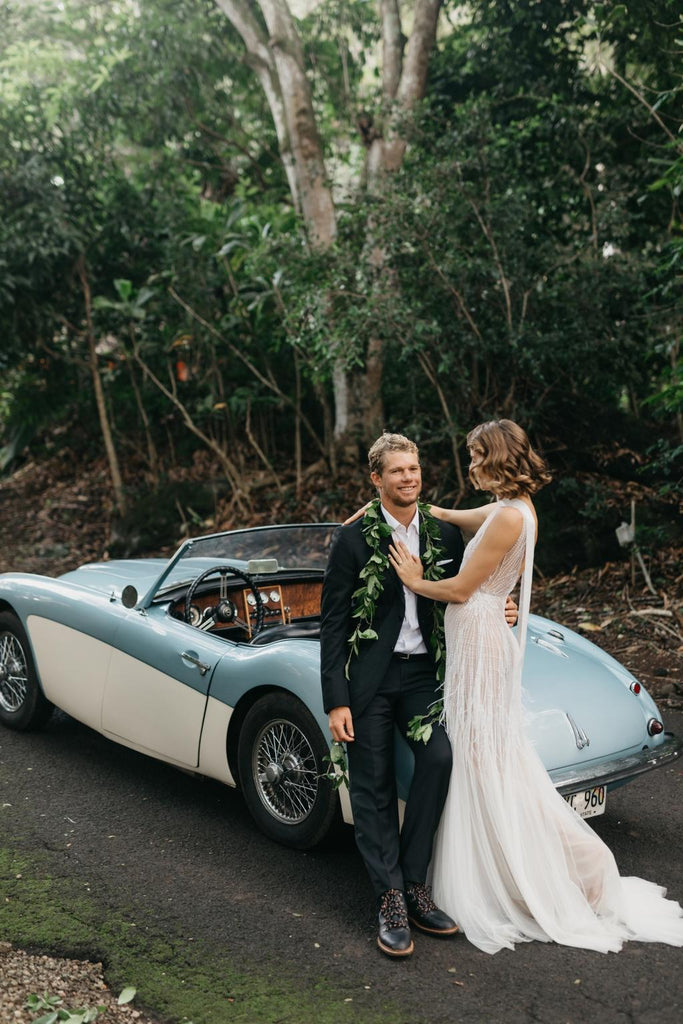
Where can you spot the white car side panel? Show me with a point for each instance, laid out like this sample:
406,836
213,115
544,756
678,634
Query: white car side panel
345,801
213,754
72,668
152,712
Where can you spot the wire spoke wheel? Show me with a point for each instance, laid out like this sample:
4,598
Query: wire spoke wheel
281,762
284,765
13,673
22,702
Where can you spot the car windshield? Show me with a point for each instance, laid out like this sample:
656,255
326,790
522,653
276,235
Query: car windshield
291,547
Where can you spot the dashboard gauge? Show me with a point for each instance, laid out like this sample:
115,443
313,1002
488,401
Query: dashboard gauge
195,615
251,599
264,596
275,596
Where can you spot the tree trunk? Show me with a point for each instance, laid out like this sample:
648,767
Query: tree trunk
112,457
403,85
275,52
240,15
277,59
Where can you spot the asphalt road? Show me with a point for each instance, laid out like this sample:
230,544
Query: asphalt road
185,854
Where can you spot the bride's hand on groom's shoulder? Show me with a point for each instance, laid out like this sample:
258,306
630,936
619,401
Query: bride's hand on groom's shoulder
358,514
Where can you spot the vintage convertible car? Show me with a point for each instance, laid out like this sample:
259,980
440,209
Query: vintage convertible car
211,662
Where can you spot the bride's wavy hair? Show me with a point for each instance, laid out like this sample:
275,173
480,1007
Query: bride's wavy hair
510,465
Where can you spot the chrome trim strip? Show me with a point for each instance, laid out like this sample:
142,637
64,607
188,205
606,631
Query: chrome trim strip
579,735
547,646
571,780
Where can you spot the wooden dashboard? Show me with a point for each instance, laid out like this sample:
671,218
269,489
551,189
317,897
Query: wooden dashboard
282,603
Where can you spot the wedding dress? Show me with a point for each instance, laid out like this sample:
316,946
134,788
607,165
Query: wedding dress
512,861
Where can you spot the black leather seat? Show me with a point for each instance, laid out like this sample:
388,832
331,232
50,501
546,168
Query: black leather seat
293,631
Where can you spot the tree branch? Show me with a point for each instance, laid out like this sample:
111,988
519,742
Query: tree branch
268,382
231,472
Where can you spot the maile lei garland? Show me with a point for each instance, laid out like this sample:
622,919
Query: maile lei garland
375,529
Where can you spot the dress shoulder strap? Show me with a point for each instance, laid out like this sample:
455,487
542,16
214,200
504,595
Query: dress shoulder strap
525,587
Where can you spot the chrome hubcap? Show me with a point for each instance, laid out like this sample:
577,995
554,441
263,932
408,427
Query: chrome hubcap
284,768
13,673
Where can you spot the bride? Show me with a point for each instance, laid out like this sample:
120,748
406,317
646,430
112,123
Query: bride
512,861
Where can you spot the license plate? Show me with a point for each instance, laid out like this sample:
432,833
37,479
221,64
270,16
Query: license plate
588,802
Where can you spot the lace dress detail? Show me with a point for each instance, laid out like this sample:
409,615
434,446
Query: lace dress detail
512,861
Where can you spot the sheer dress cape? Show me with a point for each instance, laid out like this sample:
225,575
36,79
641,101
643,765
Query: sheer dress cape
512,861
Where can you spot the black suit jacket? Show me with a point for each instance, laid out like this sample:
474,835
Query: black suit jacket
348,556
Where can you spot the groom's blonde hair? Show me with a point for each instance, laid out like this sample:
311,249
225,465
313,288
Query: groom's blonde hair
388,443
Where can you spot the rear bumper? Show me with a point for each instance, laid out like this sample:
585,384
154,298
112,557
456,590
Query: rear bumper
620,769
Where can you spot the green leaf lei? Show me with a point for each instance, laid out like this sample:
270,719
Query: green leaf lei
375,529
337,769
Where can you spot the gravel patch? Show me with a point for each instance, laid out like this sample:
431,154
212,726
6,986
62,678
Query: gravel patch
78,983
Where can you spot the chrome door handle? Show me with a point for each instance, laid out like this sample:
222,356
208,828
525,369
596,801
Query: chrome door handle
193,660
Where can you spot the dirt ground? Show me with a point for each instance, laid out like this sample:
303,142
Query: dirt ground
50,524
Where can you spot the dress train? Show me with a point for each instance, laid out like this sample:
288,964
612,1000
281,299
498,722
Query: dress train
512,861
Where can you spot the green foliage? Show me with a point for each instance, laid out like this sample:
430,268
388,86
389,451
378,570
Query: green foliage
420,727
524,261
56,1012
664,468
338,772
364,599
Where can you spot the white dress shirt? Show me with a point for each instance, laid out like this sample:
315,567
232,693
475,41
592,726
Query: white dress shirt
410,638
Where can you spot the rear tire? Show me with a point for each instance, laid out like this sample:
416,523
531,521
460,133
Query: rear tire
281,764
22,703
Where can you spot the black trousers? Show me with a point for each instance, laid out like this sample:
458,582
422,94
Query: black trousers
392,859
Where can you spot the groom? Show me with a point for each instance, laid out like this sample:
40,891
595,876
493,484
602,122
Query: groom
390,680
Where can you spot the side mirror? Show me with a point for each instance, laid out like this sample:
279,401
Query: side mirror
129,597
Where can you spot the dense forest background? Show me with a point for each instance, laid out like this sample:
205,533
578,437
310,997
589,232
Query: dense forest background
238,239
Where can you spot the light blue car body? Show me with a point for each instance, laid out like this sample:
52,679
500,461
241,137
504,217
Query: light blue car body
584,718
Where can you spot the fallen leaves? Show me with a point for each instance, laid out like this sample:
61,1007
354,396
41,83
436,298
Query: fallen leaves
644,632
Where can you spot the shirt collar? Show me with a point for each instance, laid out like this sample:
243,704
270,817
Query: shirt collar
414,523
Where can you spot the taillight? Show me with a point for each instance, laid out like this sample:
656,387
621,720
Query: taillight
654,727
635,687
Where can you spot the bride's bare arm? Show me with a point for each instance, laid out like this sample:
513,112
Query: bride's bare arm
356,515
469,519
498,539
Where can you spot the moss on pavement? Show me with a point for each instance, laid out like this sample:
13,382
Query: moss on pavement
176,980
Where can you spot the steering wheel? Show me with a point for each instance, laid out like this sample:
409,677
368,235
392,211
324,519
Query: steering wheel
225,610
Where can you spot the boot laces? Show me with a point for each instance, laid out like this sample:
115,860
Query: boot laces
421,896
392,907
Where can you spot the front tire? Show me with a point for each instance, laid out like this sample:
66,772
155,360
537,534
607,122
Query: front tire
281,766
22,703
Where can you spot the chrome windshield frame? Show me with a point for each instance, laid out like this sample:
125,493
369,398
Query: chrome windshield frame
187,546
